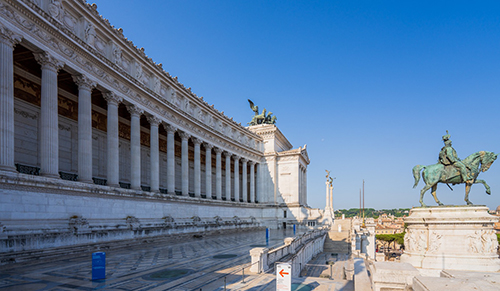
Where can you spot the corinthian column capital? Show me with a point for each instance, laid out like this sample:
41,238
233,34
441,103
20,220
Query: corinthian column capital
8,37
112,98
47,61
184,135
169,128
153,120
196,141
134,110
84,82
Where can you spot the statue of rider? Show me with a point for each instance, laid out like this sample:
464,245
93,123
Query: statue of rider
448,156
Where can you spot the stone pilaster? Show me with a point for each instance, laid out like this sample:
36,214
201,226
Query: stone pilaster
8,40
135,146
49,117
208,170
218,173
228,175
252,182
244,185
197,167
154,153
85,86
185,163
113,155
236,178
305,187
170,158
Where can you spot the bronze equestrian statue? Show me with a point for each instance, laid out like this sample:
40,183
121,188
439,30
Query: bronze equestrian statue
451,170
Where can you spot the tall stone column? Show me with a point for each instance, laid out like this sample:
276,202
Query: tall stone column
327,196
170,158
185,163
7,42
218,174
49,117
252,182
113,154
228,175
197,167
208,170
258,192
236,178
85,86
135,146
154,153
244,185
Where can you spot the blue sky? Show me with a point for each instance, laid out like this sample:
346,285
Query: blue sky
369,86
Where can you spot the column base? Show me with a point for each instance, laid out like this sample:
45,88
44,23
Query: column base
86,181
114,185
8,169
48,175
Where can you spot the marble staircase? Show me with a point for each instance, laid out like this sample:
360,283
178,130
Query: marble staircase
337,241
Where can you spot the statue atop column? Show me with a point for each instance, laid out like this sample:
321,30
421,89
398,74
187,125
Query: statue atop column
262,118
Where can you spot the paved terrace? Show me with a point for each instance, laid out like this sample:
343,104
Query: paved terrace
171,264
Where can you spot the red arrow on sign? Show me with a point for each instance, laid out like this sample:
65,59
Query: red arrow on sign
282,273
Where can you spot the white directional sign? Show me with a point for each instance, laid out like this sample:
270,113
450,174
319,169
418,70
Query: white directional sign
283,277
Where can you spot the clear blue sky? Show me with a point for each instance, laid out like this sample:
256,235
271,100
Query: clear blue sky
369,86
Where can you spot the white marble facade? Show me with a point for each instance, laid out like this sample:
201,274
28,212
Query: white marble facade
81,105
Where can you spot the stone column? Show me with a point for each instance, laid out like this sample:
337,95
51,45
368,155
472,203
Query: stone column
244,180
7,42
170,158
258,192
113,154
85,86
185,163
228,175
208,170
49,117
236,178
135,146
218,174
197,167
154,150
327,196
252,182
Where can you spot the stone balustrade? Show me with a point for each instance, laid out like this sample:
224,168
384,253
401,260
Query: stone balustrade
297,251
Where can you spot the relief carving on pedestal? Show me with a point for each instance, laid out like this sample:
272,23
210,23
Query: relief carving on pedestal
415,240
435,241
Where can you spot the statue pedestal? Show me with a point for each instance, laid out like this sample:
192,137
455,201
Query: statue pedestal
328,216
451,238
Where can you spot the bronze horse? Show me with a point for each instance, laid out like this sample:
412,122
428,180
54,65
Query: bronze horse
438,173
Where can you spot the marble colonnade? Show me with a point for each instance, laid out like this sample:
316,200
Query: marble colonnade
49,139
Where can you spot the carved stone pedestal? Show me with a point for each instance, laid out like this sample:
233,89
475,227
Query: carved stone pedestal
451,238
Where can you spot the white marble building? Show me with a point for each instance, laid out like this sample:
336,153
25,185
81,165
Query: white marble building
94,136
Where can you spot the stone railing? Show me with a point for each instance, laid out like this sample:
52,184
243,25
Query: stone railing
297,251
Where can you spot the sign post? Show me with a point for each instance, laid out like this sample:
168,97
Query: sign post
283,277
98,266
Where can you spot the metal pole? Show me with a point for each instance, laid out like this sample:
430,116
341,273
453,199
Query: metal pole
224,283
331,276
243,275
300,268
